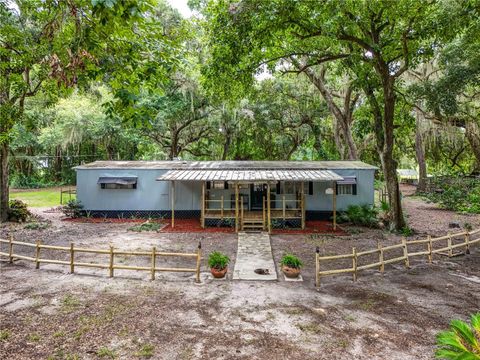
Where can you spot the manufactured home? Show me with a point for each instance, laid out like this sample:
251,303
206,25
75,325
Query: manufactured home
241,194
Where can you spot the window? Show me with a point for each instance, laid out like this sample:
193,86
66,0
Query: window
346,189
119,186
124,182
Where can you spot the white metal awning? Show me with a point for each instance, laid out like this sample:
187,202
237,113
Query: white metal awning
250,175
348,180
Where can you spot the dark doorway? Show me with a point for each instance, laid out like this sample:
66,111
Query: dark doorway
257,192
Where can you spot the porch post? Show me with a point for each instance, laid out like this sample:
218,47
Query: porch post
269,227
302,203
334,205
202,218
236,207
173,203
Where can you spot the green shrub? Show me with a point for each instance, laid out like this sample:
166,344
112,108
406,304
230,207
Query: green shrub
18,211
407,231
217,260
363,215
73,209
146,226
291,261
36,226
456,193
462,341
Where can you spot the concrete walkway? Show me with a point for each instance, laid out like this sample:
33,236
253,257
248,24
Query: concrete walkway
254,252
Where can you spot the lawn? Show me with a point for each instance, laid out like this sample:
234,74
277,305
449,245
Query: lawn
49,197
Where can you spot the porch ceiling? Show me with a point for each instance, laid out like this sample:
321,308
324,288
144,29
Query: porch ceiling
250,175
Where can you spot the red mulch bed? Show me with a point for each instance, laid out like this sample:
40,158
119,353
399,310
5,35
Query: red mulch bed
193,225
312,227
107,220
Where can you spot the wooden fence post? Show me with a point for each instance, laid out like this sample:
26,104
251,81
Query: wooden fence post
199,258
317,267
154,255
405,252
354,263
430,249
72,258
381,267
467,243
449,245
10,249
111,261
37,255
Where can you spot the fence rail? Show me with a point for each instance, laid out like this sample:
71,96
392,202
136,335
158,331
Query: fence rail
467,239
111,252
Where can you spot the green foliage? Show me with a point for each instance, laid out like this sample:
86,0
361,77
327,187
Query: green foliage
146,226
73,209
217,260
407,231
462,341
291,261
37,226
18,211
364,215
456,193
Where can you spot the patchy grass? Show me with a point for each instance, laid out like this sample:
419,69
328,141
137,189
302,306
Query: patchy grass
69,303
49,197
146,351
146,226
36,226
4,335
106,353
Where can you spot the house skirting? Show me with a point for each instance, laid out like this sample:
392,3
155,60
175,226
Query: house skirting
179,214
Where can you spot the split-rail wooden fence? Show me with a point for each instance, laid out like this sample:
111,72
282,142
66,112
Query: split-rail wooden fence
71,250
382,255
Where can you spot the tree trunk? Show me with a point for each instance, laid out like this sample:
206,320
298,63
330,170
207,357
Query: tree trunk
4,191
397,221
420,153
383,127
472,132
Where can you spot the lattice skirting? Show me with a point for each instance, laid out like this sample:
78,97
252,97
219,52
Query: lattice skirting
195,214
143,214
319,215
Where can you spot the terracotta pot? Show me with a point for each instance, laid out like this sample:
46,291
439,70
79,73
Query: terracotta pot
217,273
290,272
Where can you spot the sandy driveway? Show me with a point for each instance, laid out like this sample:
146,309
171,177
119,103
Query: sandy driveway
49,313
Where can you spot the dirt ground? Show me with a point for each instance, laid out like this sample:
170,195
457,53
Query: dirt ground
51,314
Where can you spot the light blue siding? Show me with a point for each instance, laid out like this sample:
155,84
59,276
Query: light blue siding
156,195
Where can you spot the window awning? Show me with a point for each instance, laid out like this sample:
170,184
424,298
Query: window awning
123,180
348,180
250,175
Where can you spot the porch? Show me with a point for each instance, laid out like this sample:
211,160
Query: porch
253,200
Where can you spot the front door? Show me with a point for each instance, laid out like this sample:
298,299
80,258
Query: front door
257,192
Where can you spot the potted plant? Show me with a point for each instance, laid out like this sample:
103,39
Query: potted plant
291,266
218,264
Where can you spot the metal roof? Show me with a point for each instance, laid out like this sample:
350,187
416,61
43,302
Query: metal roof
250,175
228,165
